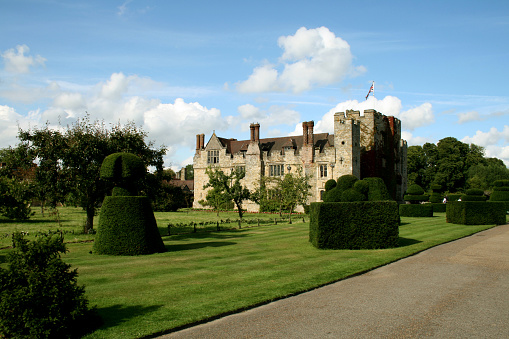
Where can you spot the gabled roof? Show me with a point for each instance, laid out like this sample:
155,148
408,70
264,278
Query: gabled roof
277,144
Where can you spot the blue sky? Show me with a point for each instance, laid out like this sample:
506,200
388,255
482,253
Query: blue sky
178,69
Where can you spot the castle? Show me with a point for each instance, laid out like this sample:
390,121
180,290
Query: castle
367,145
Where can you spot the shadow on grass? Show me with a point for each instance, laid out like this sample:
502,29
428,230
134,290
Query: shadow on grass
29,221
194,246
403,242
115,315
228,234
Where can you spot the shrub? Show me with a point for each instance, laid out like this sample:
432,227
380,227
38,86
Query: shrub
39,294
501,192
362,186
415,194
476,213
420,210
439,207
127,227
354,225
334,195
453,196
436,198
415,190
15,199
330,184
377,189
475,191
473,194
351,195
436,188
346,181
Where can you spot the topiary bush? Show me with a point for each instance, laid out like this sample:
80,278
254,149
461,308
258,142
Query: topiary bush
330,184
347,181
473,194
415,194
351,195
39,293
349,189
126,223
501,192
436,196
354,225
377,189
476,213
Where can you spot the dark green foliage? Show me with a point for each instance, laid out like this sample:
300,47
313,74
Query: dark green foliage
351,195
39,294
439,207
476,213
416,210
127,227
467,197
436,198
415,194
169,199
501,192
334,195
501,183
436,188
475,191
415,190
361,186
330,184
122,166
347,181
453,197
377,189
354,225
15,199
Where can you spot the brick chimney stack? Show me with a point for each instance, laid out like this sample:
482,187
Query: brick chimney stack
252,129
198,139
311,137
305,133
202,141
256,132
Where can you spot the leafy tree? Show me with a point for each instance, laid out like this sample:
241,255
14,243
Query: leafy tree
39,294
216,199
15,196
189,172
69,161
483,176
229,186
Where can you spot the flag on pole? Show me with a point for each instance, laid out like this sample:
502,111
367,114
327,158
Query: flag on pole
371,89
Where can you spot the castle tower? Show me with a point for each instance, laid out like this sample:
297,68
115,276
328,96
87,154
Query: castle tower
347,145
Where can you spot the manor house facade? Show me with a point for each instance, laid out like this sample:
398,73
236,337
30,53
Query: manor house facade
367,145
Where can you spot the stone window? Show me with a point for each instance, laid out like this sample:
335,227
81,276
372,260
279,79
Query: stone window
323,171
212,157
321,195
276,170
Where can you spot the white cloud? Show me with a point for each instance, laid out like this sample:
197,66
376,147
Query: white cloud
17,62
491,141
468,116
272,116
311,57
10,120
414,140
417,117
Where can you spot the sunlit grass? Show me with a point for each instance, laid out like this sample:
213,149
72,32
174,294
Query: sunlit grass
207,274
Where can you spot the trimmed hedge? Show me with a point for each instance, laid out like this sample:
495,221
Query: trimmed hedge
415,190
346,181
377,189
475,213
330,184
127,226
118,166
413,210
501,192
354,225
453,196
439,207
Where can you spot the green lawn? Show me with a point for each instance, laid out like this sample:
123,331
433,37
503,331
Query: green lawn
207,274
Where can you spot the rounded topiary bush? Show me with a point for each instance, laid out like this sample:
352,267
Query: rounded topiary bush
436,196
333,195
347,181
330,184
415,194
473,194
377,189
361,186
351,195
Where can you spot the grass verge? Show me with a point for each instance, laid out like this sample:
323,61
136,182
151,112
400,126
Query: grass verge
204,275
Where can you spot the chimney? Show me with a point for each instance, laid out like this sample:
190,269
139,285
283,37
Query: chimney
202,141
311,137
252,128
198,139
304,133
256,132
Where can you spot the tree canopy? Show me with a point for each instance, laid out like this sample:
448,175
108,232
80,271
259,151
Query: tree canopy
69,159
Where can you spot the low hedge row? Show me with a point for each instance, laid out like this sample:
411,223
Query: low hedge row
354,225
476,213
127,226
412,210
439,207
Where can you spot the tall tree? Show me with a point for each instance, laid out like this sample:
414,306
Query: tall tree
69,161
229,186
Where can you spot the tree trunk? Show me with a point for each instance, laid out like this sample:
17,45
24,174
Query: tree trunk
239,208
89,224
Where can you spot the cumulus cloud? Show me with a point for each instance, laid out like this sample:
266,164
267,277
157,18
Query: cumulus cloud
10,120
311,57
390,106
16,61
274,115
492,141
